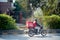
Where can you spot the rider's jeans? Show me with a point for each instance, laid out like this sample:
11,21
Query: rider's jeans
36,31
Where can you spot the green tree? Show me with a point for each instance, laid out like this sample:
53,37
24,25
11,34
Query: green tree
49,7
57,10
35,2
23,4
17,7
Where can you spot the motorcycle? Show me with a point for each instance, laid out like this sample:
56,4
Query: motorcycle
36,31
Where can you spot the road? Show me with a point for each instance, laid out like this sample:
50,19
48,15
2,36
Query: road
26,37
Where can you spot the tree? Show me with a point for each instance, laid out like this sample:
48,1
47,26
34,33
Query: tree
49,7
57,10
25,8
35,2
17,7
46,7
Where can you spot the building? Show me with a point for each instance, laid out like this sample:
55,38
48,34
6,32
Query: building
5,5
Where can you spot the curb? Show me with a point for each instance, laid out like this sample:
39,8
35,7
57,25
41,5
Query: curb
48,31
53,30
5,32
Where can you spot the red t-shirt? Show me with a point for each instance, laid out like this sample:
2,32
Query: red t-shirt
34,23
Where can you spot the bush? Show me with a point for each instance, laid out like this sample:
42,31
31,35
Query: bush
52,21
7,22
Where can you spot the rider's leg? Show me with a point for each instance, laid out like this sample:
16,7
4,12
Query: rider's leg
36,31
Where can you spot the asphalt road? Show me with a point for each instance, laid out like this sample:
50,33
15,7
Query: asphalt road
26,37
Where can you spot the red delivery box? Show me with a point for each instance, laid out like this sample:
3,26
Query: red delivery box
29,24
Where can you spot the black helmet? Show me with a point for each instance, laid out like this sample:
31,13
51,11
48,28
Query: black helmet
36,20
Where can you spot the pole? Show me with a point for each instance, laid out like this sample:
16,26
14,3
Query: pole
20,17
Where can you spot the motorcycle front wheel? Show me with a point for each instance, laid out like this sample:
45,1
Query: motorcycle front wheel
43,32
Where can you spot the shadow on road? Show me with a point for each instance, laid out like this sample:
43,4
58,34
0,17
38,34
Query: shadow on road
43,36
48,36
